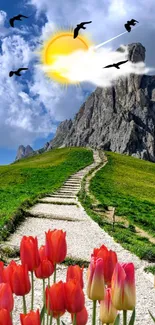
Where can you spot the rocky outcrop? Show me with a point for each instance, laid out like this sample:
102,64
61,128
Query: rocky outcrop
120,118
24,152
61,133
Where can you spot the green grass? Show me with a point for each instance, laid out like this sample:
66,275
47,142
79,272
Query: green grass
23,182
128,184
127,237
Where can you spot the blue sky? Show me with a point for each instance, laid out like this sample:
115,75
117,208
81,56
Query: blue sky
32,106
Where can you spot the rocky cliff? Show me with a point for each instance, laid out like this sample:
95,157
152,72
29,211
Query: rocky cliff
24,152
120,118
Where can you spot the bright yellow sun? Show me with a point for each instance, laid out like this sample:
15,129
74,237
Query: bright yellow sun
62,43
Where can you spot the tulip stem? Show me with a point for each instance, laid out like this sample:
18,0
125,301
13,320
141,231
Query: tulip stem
24,305
51,318
55,272
32,295
74,319
44,300
58,321
49,281
124,317
94,312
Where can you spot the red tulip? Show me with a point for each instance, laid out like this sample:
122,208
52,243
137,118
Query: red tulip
5,318
74,296
108,312
123,287
46,268
8,270
29,253
109,259
95,287
20,281
2,278
56,246
55,299
75,272
6,297
81,317
32,318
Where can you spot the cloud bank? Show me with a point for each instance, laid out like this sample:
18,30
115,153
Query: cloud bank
88,66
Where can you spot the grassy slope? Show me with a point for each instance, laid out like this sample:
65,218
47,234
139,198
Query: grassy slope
128,184
29,178
119,184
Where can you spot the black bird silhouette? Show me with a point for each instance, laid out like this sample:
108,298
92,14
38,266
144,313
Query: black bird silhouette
17,72
116,65
130,23
16,18
81,25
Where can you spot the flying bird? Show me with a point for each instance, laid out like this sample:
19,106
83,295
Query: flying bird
81,25
16,18
116,65
17,72
130,23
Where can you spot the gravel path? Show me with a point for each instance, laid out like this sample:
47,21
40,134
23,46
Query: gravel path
82,235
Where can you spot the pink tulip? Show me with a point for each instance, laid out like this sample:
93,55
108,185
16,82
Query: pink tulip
123,287
95,287
108,312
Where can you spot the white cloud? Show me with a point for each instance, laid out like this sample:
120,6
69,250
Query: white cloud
88,66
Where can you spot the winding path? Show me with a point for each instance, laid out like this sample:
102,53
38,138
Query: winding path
63,211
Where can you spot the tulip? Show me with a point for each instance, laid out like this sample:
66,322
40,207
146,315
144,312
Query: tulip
55,299
29,253
32,318
2,278
5,318
123,287
46,268
74,296
56,246
81,317
8,270
6,297
20,281
75,272
109,259
95,287
108,312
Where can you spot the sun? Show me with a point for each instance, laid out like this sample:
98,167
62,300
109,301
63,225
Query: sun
62,43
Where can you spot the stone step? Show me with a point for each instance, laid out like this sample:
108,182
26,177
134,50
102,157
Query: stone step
56,200
72,181
71,187
57,211
61,195
69,190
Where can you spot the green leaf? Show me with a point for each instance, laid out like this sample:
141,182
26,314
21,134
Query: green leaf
117,320
152,316
132,319
63,323
42,313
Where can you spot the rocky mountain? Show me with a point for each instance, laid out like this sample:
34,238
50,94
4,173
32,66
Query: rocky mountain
24,152
120,118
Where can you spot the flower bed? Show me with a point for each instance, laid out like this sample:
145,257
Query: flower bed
110,285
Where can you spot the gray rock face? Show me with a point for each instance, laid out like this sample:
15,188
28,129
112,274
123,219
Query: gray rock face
61,133
120,118
24,152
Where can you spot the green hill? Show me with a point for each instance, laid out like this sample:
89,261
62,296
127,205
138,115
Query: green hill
21,183
128,184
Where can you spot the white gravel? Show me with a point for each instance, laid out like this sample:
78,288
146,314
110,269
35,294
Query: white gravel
82,237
